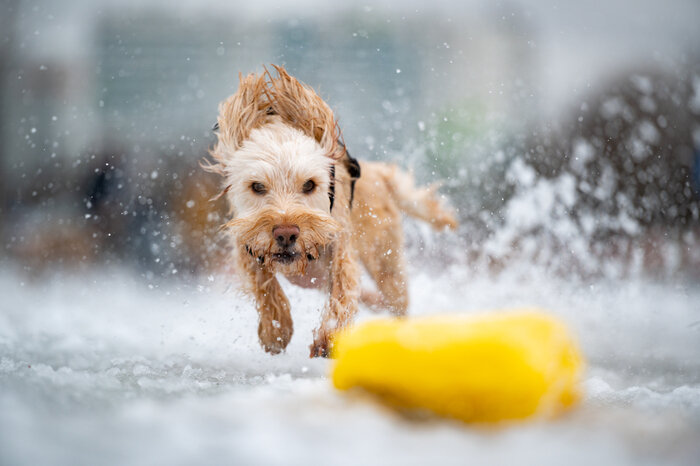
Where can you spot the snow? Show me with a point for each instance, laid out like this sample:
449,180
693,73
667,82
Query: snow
100,368
120,364
583,152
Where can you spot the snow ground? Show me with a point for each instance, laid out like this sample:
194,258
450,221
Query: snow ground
103,368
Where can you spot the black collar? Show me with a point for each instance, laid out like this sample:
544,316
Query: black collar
331,187
353,167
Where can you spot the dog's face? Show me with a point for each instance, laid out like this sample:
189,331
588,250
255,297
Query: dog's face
279,182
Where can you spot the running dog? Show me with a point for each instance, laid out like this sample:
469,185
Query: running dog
302,207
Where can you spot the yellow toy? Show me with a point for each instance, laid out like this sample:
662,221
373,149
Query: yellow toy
477,368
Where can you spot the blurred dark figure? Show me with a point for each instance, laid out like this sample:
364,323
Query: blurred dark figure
106,197
696,172
631,151
641,127
7,38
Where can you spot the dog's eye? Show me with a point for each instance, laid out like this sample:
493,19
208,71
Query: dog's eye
308,186
258,188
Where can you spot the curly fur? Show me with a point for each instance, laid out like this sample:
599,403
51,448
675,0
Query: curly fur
278,134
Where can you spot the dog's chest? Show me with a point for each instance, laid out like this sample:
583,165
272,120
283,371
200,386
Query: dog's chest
316,275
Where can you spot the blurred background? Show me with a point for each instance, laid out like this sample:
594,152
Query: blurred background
566,134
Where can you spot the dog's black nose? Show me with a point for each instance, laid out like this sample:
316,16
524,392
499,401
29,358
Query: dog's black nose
285,235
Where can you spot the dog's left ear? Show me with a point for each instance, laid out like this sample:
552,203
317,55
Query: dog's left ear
352,165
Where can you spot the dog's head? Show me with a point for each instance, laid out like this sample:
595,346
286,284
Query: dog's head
279,183
277,150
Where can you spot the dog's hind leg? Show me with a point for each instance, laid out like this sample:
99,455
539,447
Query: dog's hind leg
372,299
385,263
275,327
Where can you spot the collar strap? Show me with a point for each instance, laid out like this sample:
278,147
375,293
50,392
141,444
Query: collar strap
331,188
353,168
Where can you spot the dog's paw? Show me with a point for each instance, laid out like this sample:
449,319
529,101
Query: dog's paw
321,347
274,337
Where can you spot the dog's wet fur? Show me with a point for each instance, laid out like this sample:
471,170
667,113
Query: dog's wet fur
298,208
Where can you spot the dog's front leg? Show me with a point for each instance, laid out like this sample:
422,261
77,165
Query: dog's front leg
275,325
344,294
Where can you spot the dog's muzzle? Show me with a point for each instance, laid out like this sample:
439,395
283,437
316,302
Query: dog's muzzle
285,257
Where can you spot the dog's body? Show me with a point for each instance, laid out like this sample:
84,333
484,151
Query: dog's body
303,208
382,194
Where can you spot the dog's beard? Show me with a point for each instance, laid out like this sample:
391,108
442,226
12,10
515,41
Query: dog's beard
254,234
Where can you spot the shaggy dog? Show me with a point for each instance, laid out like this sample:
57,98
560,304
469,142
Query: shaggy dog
302,207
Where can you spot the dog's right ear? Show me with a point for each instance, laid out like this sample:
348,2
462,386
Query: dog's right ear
241,113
